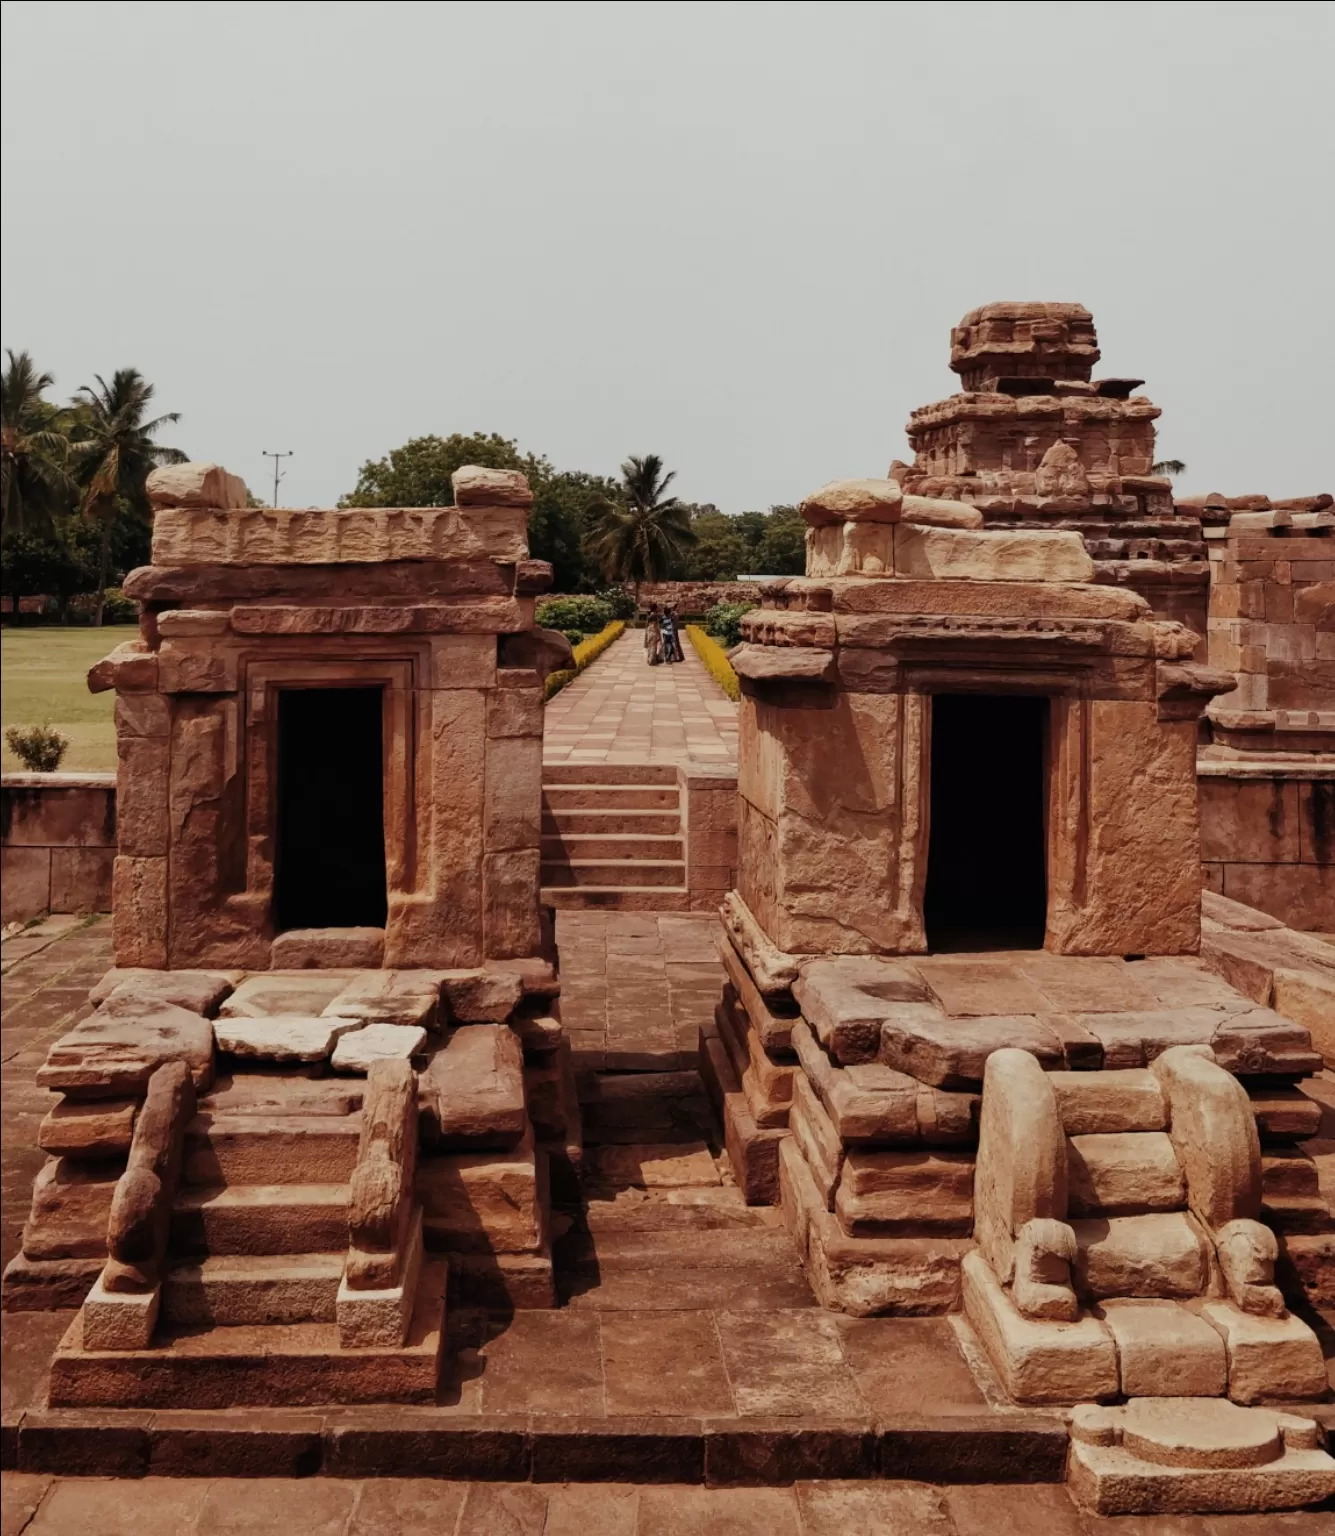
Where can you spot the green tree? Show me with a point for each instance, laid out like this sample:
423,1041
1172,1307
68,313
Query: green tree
1169,467
418,474
721,551
644,534
782,550
559,523
114,453
34,449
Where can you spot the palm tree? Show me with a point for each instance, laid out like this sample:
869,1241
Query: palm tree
115,452
1170,467
642,536
34,479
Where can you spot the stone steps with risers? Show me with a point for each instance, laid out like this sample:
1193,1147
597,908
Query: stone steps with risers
249,1290
612,837
223,1148
623,823
260,1219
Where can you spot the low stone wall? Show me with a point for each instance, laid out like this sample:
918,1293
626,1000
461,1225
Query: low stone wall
696,597
1268,836
709,825
57,843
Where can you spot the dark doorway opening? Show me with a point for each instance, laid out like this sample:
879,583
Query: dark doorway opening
987,857
330,865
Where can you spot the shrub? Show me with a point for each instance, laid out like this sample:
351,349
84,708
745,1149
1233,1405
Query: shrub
585,652
620,603
575,636
38,747
586,614
724,622
119,609
715,659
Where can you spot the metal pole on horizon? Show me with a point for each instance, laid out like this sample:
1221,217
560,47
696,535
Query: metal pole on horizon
276,476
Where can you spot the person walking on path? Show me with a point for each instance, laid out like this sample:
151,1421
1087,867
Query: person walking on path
653,638
671,636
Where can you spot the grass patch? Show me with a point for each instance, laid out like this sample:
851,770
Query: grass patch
43,681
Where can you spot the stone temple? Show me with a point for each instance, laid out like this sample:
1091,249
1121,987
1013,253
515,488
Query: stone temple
976,1044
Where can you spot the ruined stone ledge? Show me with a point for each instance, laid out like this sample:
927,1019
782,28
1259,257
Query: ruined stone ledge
189,584
403,1441
467,615
193,536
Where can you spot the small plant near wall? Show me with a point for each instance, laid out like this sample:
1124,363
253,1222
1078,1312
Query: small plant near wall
38,747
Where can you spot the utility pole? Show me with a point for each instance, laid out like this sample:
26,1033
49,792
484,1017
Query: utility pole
276,476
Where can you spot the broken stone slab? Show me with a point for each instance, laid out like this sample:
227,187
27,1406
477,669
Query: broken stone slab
952,1053
1262,1041
847,998
480,996
1135,1039
984,555
471,1093
1038,1361
1164,1255
475,486
113,1054
196,484
771,969
196,991
281,1037
874,501
1091,1103
1192,1455
1165,1350
409,998
267,993
91,1128
1278,1358
1124,1173
359,1048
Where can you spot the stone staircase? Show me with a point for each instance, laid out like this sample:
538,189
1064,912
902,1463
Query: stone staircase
613,836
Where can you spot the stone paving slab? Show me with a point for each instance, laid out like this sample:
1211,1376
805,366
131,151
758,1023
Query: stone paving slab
622,710
636,987
37,1505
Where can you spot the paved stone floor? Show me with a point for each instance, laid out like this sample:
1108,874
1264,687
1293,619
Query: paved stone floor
636,986
621,710
155,1506
678,1301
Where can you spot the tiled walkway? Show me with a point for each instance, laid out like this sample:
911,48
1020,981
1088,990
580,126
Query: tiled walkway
621,710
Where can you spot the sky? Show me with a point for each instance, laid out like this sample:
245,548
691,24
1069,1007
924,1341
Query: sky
734,235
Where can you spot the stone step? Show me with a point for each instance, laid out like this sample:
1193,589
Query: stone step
1123,1173
611,797
608,773
625,822
615,873
617,898
270,1149
247,1290
298,1365
566,846
260,1219
1162,1255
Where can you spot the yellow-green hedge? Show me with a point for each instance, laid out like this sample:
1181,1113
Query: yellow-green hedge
716,661
585,652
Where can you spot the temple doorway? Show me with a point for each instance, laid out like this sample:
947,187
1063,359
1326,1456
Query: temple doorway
986,862
330,854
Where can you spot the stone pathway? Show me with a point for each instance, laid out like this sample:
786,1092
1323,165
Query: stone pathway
636,986
621,710
165,1506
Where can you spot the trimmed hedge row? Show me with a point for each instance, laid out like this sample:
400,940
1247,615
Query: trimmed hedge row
585,652
716,661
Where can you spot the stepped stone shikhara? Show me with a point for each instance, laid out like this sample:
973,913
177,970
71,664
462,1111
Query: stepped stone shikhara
303,1098
1034,441
971,1038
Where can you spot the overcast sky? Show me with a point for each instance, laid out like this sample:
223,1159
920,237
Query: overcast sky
736,235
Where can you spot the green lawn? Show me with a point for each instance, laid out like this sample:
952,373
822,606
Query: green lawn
43,681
